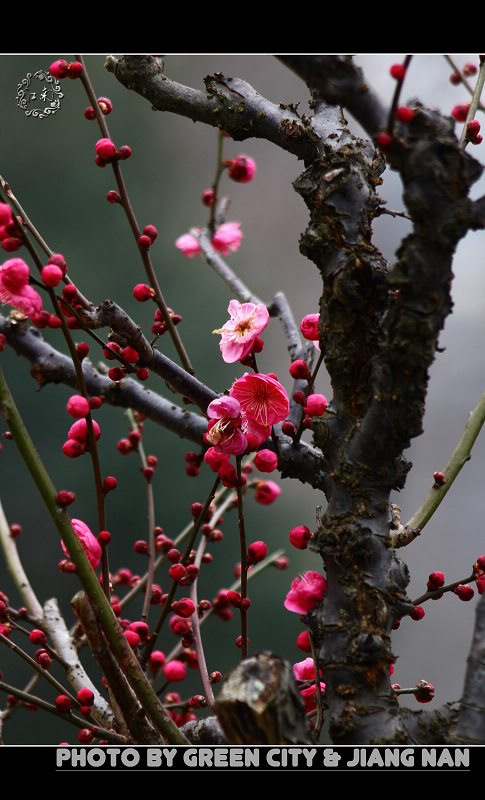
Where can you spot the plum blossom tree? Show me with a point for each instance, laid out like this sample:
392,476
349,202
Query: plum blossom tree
375,334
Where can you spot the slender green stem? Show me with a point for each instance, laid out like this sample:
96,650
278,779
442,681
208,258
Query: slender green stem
458,459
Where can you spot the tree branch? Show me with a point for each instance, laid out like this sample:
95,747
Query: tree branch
227,103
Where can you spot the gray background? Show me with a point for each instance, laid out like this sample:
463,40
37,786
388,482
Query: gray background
49,164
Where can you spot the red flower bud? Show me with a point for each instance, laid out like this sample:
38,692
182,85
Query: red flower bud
464,592
257,551
59,69
105,148
300,536
398,71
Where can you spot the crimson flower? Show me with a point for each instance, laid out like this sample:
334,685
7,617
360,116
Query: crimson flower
16,290
240,332
305,593
263,403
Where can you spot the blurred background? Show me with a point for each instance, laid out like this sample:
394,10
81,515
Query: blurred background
49,164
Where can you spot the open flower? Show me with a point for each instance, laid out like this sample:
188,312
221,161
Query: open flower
240,332
305,593
263,403
90,544
16,290
224,430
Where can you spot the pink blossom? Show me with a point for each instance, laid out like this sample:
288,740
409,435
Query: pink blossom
15,289
224,432
305,593
227,237
263,403
305,670
224,406
90,544
188,244
240,332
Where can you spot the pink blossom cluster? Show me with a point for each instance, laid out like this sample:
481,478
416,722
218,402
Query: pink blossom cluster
225,240
242,420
